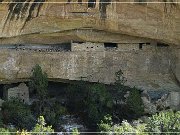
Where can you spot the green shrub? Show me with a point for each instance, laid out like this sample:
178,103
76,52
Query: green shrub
106,125
127,128
23,132
60,110
135,103
1,120
93,100
16,112
51,112
4,131
50,116
76,95
164,122
161,123
41,127
75,131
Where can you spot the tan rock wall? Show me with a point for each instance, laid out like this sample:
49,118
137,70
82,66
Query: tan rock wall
154,21
87,46
147,69
151,68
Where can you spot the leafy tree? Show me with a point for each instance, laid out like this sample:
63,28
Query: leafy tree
135,103
98,102
120,89
120,79
118,94
76,94
39,83
50,110
41,128
16,112
53,112
132,104
92,100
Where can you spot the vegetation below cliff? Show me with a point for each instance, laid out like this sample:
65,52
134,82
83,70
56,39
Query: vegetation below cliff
100,108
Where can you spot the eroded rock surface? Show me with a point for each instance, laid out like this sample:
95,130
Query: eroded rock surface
155,101
46,22
128,25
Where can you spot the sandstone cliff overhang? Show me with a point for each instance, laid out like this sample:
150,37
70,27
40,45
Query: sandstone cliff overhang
40,22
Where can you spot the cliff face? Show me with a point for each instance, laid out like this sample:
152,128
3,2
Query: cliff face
47,22
148,67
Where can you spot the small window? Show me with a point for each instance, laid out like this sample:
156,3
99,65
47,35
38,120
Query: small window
140,46
78,42
91,3
162,45
68,1
80,1
110,45
62,46
141,2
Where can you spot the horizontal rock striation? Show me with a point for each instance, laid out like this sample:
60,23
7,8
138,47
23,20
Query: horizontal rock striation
47,20
144,37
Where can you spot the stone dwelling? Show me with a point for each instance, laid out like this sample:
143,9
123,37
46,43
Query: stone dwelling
20,92
126,46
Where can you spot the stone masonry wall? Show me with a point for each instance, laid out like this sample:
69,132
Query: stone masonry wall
87,46
149,69
20,92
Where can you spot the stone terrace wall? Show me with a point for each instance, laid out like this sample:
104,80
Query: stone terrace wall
148,69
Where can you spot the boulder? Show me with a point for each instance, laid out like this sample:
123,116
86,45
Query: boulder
155,101
148,106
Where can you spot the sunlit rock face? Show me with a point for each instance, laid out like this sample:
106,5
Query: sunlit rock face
46,22
144,41
151,67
